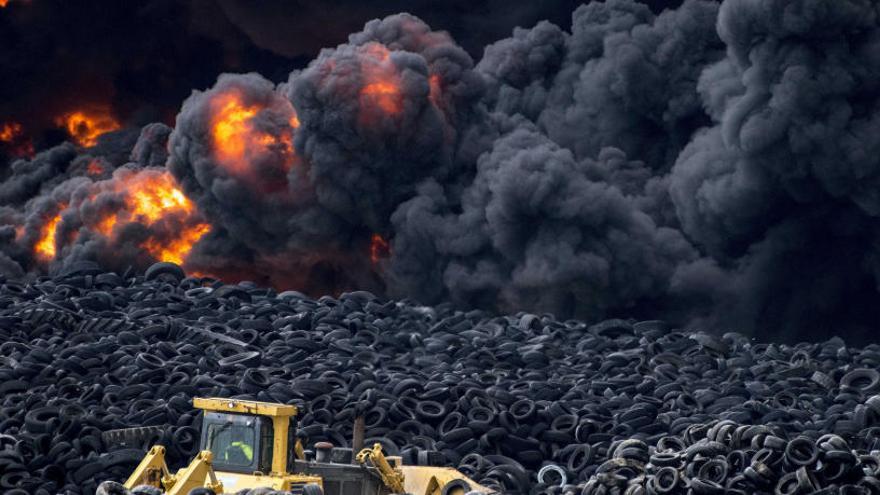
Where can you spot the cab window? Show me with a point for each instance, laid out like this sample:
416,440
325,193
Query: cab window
233,444
233,440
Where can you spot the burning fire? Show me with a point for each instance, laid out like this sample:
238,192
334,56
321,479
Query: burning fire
4,3
237,137
45,246
379,248
383,94
147,197
12,135
10,131
105,226
178,248
86,126
94,168
381,90
152,197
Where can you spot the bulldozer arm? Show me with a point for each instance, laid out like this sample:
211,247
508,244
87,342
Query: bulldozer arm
199,474
151,470
391,477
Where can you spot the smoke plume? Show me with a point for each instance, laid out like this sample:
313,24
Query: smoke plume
715,164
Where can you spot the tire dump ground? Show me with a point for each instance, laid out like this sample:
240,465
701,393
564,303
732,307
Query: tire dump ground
522,403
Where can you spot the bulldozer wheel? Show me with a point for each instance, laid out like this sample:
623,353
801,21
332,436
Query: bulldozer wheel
312,489
110,488
146,490
131,437
456,487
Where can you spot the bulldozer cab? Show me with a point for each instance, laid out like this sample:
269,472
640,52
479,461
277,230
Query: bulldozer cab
247,436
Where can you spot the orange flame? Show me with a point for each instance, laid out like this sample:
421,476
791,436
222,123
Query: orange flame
150,198
12,135
45,246
383,94
94,168
86,126
379,248
3,3
105,225
177,249
381,90
10,131
237,138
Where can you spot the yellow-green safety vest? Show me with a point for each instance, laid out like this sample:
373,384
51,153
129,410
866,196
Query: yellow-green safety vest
245,448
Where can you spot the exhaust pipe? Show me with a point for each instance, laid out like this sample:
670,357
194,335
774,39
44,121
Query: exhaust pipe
357,437
322,451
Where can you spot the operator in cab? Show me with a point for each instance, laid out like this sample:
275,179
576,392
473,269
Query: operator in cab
240,450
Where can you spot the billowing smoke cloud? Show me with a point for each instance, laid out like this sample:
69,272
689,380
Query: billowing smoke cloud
232,151
783,188
714,165
537,229
397,104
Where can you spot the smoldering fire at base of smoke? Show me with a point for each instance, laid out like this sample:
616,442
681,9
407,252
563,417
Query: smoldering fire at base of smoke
710,164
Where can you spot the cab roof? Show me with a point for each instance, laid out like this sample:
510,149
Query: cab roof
218,404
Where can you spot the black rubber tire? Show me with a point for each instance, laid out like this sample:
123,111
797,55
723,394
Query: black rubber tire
111,488
146,490
165,269
457,484
312,489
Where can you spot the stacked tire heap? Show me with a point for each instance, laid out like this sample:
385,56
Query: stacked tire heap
522,403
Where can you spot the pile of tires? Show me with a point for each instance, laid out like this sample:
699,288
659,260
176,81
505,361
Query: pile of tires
521,403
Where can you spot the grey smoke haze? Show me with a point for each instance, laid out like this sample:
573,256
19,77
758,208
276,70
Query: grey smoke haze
715,165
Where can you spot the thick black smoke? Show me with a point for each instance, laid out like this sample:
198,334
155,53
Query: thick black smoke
715,165
783,188
397,104
268,221
536,229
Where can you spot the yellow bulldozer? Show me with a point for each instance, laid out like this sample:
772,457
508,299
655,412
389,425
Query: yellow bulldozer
249,444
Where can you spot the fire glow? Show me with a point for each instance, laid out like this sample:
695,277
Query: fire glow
45,246
86,126
175,250
94,168
434,95
379,248
13,137
152,197
381,90
10,131
237,137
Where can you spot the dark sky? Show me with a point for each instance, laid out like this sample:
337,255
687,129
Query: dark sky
142,58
